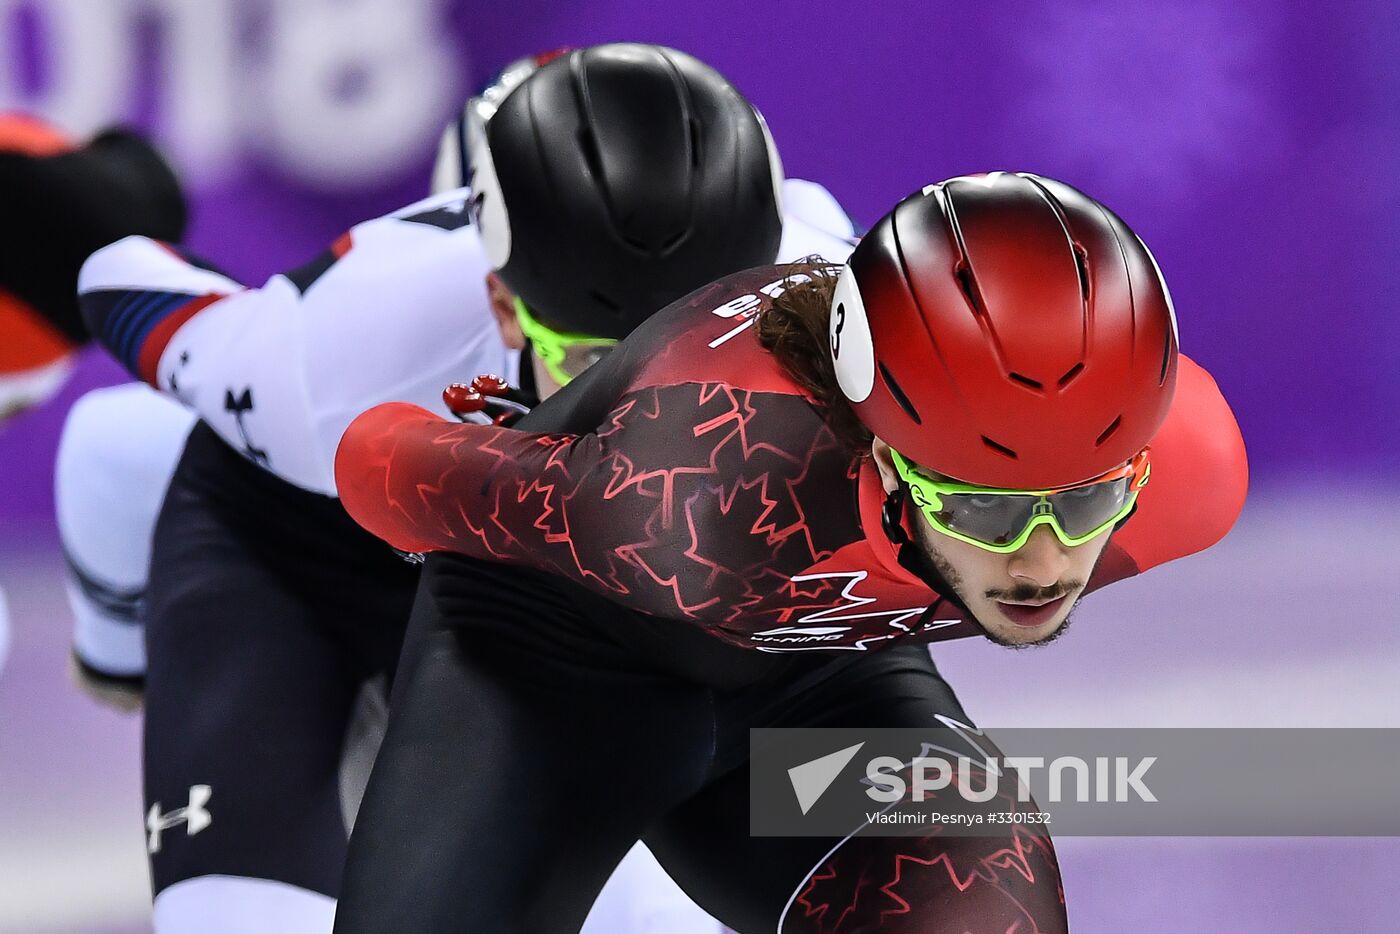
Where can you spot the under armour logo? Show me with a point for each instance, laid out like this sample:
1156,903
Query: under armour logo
195,816
240,405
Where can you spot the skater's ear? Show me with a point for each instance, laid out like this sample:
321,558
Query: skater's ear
503,308
880,453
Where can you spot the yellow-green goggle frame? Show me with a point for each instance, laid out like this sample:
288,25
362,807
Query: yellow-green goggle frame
564,355
938,500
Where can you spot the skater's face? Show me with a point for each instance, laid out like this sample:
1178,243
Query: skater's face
555,359
508,322
1019,598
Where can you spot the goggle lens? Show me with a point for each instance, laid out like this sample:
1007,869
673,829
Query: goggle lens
1085,509
995,520
579,357
1000,520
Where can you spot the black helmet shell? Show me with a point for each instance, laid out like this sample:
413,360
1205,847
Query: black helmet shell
615,179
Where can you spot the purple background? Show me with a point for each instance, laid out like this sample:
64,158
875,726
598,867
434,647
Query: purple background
1252,144
1255,147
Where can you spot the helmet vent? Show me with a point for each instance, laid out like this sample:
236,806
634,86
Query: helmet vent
1166,359
1033,384
899,396
1070,375
969,288
1001,449
1080,264
695,142
1108,432
588,145
603,300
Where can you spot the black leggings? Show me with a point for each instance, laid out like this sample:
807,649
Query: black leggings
537,731
268,609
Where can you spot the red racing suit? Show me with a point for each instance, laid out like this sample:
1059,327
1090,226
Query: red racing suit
687,476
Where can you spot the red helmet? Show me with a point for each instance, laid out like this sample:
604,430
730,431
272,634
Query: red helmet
1006,330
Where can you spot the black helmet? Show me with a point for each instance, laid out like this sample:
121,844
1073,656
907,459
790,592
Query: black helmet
615,179
451,170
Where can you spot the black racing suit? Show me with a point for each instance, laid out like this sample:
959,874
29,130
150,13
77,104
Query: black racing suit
537,730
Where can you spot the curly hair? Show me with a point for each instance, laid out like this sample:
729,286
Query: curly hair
793,328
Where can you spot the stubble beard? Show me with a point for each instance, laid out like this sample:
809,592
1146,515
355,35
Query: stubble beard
954,580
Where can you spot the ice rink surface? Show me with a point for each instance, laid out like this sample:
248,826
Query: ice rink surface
1289,622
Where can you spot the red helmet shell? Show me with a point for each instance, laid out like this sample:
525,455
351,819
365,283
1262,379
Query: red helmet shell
1006,330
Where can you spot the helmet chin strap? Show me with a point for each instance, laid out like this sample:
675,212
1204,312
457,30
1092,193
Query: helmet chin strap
911,557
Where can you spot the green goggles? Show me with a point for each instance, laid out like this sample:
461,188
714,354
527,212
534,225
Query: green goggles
1002,521
565,356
